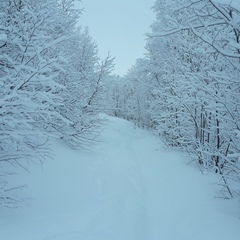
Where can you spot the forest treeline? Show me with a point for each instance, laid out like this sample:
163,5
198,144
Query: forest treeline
187,87
51,85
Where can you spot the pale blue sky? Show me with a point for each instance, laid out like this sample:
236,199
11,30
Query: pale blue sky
119,26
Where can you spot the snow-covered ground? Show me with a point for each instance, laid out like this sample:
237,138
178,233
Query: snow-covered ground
128,187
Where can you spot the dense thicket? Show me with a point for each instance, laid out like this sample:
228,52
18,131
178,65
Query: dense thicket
187,88
50,83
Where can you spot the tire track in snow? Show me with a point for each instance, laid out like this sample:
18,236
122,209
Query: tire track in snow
121,194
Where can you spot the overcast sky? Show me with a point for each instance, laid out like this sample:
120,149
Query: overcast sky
118,26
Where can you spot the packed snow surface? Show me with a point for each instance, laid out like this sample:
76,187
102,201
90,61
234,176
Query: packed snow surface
128,187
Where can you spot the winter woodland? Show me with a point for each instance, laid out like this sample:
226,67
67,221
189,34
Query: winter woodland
51,83
186,89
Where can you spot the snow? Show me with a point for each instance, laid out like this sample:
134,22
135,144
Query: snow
3,38
128,187
233,3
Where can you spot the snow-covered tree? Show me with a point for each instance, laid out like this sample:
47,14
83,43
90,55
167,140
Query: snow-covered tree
49,80
83,80
130,95
206,38
193,71
29,66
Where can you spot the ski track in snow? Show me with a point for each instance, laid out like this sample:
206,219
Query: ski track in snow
129,187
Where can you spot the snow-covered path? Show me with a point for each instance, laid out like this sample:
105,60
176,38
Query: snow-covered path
129,187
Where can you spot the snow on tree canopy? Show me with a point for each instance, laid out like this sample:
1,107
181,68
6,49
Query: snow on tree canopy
3,37
232,3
